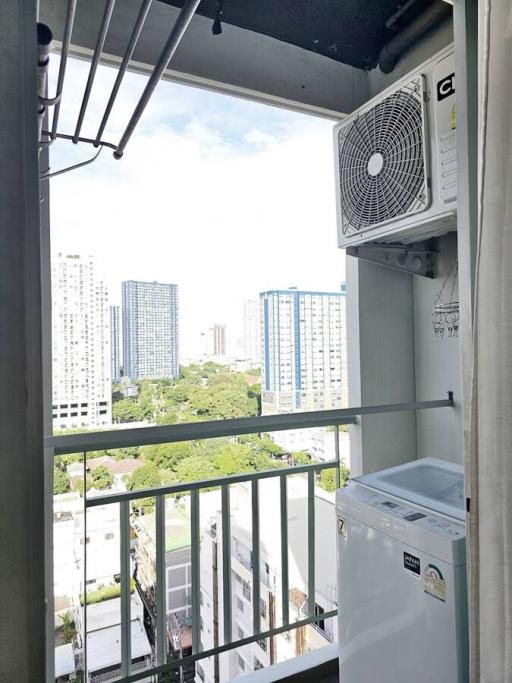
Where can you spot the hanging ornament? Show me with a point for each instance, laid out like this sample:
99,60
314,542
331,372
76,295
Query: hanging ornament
217,25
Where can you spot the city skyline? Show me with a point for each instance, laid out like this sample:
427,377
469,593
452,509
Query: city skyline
218,341
230,217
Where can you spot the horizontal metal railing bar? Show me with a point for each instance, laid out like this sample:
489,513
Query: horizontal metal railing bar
226,647
89,141
110,498
145,436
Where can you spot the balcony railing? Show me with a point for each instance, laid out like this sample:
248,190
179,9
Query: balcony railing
88,442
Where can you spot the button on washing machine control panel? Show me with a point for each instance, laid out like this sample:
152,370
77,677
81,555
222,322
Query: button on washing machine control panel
418,517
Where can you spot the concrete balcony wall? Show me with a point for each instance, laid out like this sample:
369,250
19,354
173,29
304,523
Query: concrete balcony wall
320,666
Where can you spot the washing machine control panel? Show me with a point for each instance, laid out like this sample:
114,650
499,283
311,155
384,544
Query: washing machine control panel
404,511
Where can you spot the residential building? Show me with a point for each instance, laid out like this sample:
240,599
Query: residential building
150,330
80,344
178,577
98,531
251,340
284,646
104,637
115,343
177,558
304,350
121,470
218,335
318,442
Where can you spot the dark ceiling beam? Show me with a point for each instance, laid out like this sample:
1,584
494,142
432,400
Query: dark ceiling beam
240,62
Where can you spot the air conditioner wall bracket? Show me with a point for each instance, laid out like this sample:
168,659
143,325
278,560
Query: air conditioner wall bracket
418,258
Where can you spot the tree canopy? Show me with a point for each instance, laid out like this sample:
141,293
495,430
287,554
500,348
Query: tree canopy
60,481
102,477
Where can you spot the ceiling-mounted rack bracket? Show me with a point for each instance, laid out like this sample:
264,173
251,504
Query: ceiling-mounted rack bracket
417,258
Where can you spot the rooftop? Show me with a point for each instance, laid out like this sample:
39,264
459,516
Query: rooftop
177,527
104,646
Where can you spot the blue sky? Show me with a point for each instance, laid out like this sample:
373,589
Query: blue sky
223,196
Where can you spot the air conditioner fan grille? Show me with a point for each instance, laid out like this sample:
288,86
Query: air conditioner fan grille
381,161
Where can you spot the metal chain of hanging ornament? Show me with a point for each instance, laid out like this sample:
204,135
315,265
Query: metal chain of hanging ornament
445,314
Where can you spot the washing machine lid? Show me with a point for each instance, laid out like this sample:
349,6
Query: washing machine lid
429,482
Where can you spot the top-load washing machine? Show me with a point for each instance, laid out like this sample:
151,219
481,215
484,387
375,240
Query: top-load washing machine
402,598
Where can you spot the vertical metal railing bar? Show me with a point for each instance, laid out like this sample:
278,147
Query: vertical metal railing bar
226,562
126,634
161,607
66,39
196,580
311,543
107,14
337,454
255,556
139,23
174,39
84,494
284,551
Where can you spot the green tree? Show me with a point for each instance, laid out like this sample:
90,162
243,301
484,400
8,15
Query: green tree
125,453
146,477
169,418
102,477
176,395
234,459
167,455
68,627
127,410
266,445
208,448
60,481
78,486
301,458
328,478
262,461
221,402
195,468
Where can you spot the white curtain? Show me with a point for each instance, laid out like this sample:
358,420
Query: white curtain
490,458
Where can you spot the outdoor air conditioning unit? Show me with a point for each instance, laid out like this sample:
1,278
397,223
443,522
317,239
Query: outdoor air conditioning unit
396,165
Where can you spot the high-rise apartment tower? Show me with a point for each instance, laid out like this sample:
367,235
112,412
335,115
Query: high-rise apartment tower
304,350
150,330
82,395
115,342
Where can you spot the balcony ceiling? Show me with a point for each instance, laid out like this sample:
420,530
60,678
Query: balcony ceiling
348,31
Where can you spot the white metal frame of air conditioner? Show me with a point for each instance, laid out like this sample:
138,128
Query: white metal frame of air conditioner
439,217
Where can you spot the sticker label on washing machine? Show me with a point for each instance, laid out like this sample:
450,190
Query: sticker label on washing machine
342,526
434,583
412,563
